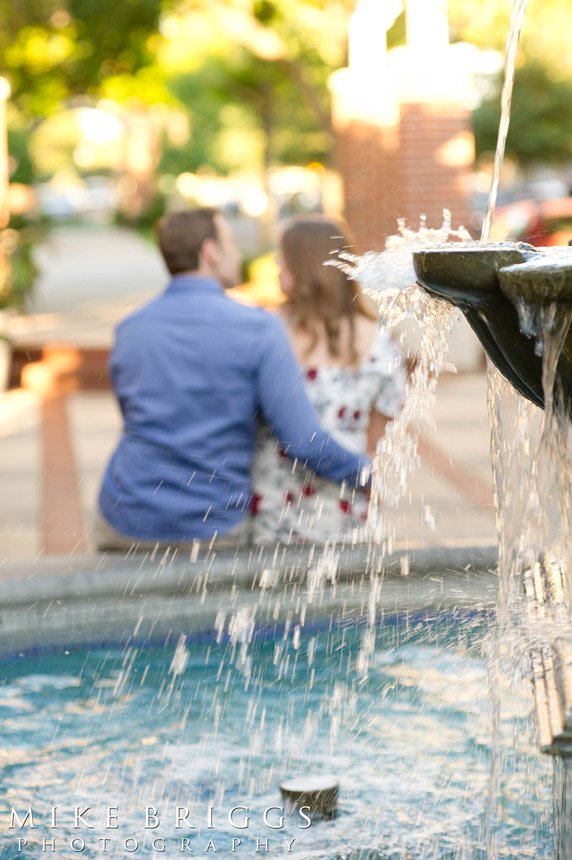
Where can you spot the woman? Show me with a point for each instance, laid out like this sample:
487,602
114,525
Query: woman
354,378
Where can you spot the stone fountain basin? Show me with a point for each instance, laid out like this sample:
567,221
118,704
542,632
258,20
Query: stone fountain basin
83,601
467,275
108,604
408,736
541,280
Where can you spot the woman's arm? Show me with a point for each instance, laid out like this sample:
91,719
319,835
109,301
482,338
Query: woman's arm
284,403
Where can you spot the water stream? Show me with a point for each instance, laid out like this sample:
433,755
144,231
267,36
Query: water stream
513,38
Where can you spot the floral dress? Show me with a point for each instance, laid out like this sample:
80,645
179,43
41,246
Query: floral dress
291,504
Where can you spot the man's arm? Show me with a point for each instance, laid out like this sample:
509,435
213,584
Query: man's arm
285,405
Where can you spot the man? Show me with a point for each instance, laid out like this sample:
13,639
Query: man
191,370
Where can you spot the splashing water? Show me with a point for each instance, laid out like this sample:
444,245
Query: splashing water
400,742
532,480
389,279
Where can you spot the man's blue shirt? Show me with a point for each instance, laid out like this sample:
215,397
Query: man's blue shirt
192,370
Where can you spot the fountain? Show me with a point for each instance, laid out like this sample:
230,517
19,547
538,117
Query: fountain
518,300
490,284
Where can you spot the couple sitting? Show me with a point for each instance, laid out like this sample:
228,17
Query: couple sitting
221,402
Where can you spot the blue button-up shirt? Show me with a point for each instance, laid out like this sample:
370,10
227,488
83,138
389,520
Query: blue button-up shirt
191,370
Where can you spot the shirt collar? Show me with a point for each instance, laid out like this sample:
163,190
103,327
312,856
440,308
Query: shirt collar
194,283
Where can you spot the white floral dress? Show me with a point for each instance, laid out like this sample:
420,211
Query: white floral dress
290,503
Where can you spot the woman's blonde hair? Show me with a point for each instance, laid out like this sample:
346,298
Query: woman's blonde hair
323,293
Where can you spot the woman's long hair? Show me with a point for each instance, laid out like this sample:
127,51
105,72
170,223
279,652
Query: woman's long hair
323,294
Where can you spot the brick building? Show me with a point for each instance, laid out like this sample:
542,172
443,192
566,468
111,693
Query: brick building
402,122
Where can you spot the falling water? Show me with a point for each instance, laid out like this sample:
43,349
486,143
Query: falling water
507,652
390,280
516,21
531,456
563,808
531,476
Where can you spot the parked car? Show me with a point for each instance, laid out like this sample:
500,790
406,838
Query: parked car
540,222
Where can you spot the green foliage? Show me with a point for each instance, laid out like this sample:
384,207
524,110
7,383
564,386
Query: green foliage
541,121
396,34
271,111
252,74
16,248
545,35
52,50
22,169
111,50
259,77
264,11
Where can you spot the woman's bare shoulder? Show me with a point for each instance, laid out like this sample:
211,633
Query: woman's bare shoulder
365,325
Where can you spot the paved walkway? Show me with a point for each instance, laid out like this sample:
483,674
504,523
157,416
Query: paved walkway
52,451
91,277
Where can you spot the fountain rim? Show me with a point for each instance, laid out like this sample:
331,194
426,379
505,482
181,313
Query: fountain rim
538,282
79,602
452,270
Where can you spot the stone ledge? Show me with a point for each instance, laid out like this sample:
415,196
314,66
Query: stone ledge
115,576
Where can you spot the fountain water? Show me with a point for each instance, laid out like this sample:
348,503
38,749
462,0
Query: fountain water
518,301
530,347
513,38
399,742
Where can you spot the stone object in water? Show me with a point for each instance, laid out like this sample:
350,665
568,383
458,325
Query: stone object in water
317,794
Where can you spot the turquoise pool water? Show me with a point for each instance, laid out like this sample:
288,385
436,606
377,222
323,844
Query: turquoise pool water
209,726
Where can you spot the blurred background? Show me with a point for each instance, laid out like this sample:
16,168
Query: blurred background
118,112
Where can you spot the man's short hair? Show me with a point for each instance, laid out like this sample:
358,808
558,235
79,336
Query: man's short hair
181,236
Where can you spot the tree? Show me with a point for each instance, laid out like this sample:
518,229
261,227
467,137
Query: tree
257,69
53,50
541,122
251,74
541,125
545,34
